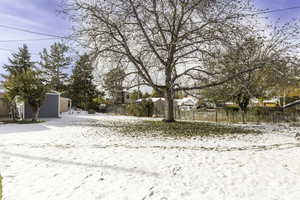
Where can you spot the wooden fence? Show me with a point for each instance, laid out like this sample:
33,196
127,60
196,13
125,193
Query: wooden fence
220,115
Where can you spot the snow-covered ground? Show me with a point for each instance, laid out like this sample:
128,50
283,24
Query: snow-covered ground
70,158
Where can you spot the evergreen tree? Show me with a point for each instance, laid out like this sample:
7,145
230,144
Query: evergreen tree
19,63
54,64
29,86
82,90
135,95
113,84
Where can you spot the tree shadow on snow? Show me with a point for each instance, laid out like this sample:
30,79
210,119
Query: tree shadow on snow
21,128
80,164
283,146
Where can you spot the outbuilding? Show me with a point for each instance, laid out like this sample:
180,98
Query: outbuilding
65,104
4,107
49,109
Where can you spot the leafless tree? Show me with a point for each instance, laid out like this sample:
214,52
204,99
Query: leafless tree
271,59
163,42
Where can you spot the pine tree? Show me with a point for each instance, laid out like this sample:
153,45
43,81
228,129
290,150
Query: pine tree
83,91
29,86
113,84
54,65
19,63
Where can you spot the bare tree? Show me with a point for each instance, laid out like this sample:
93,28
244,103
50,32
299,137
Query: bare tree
164,42
271,61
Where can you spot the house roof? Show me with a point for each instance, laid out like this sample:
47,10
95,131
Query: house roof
271,101
186,101
294,103
152,99
64,98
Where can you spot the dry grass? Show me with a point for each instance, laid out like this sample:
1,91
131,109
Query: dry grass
1,188
179,129
21,122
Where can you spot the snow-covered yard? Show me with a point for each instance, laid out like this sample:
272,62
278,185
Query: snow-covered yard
70,158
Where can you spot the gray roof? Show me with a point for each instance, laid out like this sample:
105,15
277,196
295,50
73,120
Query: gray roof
294,103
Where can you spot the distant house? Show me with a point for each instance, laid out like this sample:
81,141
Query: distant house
187,103
271,103
159,105
121,97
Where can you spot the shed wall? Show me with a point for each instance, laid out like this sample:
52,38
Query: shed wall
49,109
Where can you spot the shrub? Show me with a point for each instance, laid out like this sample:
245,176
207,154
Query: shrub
145,108
231,109
102,108
260,111
91,111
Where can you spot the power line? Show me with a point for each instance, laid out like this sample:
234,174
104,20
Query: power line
53,37
11,50
3,49
33,32
275,10
29,40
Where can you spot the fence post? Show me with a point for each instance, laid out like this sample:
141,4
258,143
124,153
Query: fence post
216,115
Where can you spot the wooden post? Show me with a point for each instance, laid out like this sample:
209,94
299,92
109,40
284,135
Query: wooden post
216,115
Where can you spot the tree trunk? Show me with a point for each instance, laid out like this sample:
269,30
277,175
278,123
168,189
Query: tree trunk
169,107
244,108
244,116
35,113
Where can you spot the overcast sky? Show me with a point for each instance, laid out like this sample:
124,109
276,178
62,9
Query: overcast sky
41,16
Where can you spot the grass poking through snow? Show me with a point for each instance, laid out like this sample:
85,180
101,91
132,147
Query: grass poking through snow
179,129
21,122
1,188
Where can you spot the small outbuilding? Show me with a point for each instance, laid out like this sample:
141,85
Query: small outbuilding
4,107
49,109
65,104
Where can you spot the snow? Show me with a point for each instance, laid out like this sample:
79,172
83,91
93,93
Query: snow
187,101
154,99
71,158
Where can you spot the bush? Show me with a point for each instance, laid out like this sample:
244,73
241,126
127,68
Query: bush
102,108
91,111
231,109
261,111
145,108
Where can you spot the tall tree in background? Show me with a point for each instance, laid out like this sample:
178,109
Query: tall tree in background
19,62
24,81
54,64
113,83
82,89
